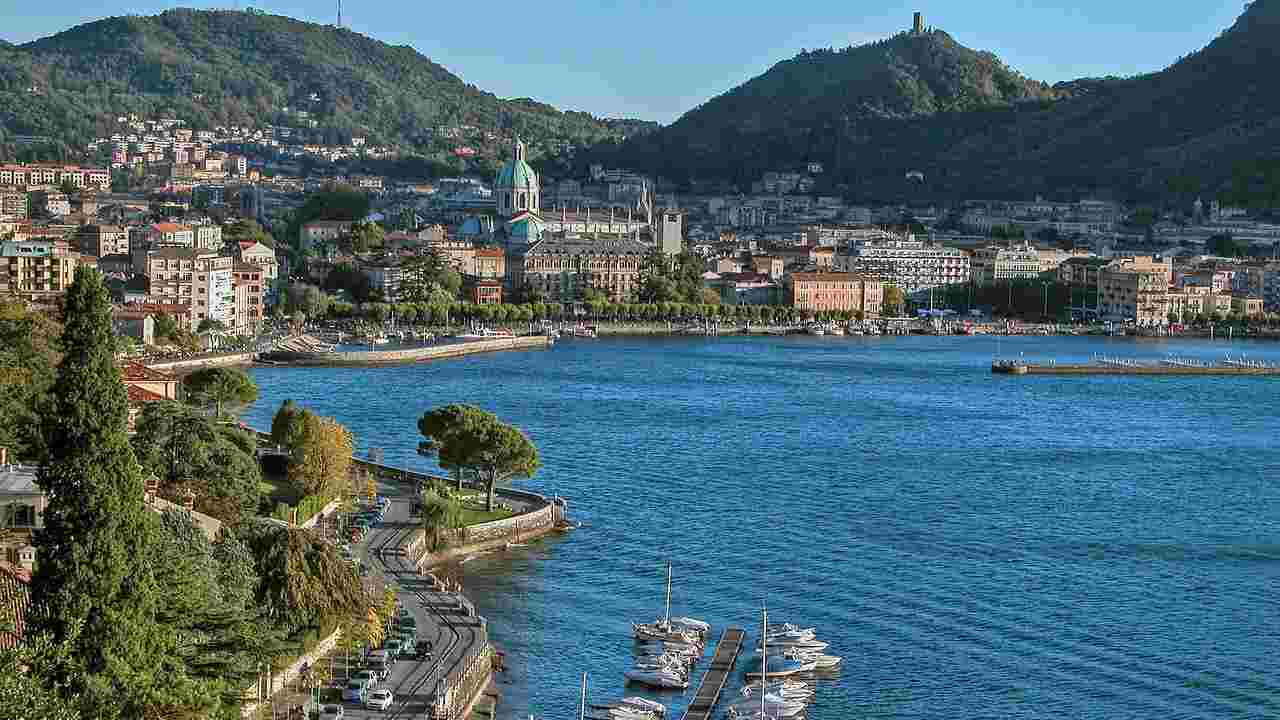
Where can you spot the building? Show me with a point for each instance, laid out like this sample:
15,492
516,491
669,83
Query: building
54,203
319,232
385,276
251,289
910,264
668,232
994,264
835,291
80,177
22,503
1137,289
768,265
36,270
103,240
516,187
490,263
744,288
563,267
484,291
208,237
13,203
171,235
198,278
139,325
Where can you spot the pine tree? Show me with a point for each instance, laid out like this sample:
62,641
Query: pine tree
93,587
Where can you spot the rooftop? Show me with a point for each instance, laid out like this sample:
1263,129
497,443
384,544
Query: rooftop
137,372
18,480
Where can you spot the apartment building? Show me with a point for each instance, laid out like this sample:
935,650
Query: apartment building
171,235
207,237
1136,289
323,231
910,264
102,240
994,264
81,177
836,291
13,203
36,270
198,278
251,290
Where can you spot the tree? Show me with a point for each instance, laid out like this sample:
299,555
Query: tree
28,360
189,452
90,591
30,684
1224,245
209,325
287,425
221,386
306,299
321,461
301,578
465,437
248,230
441,514
365,236
895,301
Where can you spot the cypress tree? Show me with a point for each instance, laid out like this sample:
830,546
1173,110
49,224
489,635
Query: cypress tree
94,588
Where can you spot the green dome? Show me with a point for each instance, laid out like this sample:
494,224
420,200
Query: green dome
518,175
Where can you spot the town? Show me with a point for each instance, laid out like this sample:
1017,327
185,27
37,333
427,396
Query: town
192,526
216,239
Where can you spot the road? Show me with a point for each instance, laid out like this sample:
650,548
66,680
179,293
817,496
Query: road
453,636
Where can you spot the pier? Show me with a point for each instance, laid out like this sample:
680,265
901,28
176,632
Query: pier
1008,367
713,681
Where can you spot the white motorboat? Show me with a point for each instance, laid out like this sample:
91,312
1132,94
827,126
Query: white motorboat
658,678
788,687
809,645
675,661
659,646
636,703
773,704
815,330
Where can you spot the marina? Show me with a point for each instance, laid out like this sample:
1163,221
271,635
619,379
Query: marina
717,675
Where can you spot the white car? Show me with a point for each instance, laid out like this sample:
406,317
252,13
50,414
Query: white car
379,700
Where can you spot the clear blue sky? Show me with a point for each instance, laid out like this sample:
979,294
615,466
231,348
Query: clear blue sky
656,59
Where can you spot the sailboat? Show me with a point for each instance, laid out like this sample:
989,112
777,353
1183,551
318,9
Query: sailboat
681,630
764,713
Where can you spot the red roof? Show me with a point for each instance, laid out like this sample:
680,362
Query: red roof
139,395
137,372
169,228
15,599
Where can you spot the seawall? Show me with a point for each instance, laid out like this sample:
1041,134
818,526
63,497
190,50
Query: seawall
184,366
432,352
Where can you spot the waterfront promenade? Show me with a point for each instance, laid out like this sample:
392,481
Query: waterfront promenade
440,351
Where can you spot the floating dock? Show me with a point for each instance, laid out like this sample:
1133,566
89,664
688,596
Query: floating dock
713,681
1022,368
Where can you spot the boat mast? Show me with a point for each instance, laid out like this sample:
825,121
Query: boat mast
764,658
582,709
667,617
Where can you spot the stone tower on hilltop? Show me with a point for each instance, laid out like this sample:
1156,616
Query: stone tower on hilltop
917,25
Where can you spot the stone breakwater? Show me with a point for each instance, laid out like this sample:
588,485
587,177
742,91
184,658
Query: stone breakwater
406,355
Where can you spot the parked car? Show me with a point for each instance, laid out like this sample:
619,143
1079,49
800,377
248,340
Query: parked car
355,691
392,647
331,712
366,676
379,700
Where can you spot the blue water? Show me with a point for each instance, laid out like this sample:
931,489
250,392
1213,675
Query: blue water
973,546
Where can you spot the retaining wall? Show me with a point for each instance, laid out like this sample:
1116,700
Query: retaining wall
279,680
182,366
433,352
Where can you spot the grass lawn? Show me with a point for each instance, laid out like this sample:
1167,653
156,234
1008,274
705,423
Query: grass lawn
474,515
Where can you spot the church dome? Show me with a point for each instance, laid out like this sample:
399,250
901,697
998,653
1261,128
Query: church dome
516,173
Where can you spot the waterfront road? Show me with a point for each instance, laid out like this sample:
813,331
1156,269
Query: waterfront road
453,637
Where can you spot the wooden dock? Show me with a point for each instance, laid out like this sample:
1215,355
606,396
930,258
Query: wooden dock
714,679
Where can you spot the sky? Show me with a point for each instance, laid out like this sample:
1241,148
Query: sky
656,59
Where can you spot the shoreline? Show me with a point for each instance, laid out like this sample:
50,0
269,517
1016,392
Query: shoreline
406,355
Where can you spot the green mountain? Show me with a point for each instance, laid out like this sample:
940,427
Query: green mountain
973,127
221,67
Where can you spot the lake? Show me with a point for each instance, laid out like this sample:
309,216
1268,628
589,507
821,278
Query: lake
974,546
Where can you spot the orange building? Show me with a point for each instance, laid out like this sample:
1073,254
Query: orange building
828,291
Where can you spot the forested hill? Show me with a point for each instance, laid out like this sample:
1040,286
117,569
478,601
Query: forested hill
975,128
223,67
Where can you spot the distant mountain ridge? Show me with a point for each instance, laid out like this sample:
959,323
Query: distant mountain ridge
227,67
973,127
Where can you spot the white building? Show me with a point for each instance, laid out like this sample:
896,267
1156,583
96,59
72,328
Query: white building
910,264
